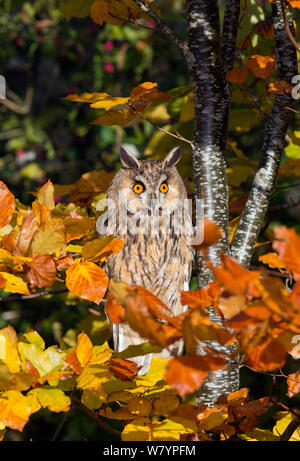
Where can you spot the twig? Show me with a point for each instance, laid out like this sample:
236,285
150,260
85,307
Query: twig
177,136
288,432
34,295
247,93
60,426
77,403
160,23
287,27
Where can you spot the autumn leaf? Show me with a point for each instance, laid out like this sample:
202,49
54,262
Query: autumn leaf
260,66
287,245
99,11
235,278
268,355
237,75
123,369
87,280
50,237
293,384
14,284
7,201
280,87
186,374
113,309
28,229
146,92
273,261
16,408
265,28
45,195
42,271
121,117
98,249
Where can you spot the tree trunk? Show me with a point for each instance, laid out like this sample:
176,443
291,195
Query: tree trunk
212,96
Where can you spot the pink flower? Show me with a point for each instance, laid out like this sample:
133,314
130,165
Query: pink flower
150,24
20,153
108,67
19,42
109,46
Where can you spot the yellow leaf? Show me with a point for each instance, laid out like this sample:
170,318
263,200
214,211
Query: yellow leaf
14,284
15,409
93,399
155,373
138,430
100,248
53,399
45,195
92,377
50,237
76,8
282,423
84,348
44,361
173,428
9,349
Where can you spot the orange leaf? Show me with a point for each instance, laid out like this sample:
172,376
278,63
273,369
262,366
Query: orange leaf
42,271
287,246
73,361
268,355
87,280
204,297
83,349
123,369
113,309
7,208
237,75
235,278
294,382
187,373
260,66
280,87
146,92
211,234
273,261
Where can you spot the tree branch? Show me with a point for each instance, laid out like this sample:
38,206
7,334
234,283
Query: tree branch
230,29
288,432
163,26
275,132
34,295
212,101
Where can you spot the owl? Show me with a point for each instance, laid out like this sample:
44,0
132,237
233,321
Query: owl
147,207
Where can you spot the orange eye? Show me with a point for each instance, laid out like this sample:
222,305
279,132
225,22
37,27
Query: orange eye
138,188
164,188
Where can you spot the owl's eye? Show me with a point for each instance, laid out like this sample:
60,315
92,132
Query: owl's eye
138,188
164,188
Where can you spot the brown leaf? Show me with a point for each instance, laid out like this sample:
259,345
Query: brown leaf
28,229
260,66
237,75
123,369
268,355
280,87
293,384
42,272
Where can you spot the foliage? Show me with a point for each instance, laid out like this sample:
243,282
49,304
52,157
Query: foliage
50,248
56,245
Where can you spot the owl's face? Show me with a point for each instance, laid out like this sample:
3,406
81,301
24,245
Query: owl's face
142,186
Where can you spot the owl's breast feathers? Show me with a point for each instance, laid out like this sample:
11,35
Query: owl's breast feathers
160,263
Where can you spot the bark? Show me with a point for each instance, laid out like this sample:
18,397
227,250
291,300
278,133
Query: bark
212,101
275,132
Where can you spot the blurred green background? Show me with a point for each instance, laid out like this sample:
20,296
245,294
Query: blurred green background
43,58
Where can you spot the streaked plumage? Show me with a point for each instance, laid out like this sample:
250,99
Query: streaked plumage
160,259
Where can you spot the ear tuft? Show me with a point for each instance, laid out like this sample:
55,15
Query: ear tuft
173,157
127,159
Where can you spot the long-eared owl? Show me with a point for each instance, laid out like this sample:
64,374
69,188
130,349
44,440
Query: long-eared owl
147,207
